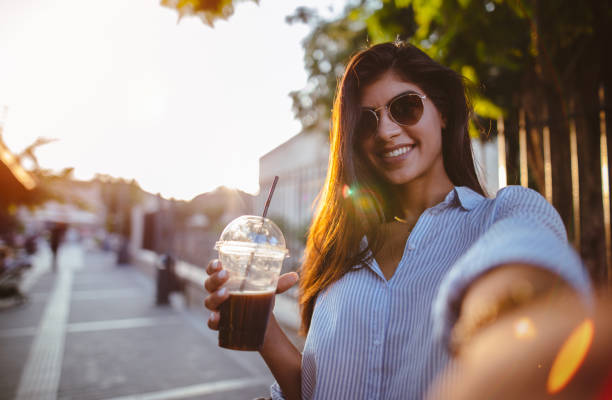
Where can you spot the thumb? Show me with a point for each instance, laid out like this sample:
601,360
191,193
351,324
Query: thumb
285,281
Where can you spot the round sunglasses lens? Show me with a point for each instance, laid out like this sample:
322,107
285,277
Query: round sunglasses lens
407,110
368,123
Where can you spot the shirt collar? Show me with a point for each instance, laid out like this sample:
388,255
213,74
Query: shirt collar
466,197
362,246
461,195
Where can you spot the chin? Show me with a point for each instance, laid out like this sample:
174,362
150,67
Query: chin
399,178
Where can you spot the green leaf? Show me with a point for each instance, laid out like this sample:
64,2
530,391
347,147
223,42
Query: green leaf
470,73
402,3
486,108
472,130
424,13
378,33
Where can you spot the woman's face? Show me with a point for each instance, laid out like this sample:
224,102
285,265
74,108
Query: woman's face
402,154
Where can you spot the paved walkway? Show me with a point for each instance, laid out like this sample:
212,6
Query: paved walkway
92,331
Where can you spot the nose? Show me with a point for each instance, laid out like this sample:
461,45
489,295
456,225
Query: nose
387,128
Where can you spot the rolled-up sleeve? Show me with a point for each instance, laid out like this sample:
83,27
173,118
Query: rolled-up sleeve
524,228
276,392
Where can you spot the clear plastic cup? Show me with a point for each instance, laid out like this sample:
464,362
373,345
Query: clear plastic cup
252,249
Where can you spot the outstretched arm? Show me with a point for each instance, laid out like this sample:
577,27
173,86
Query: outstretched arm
522,255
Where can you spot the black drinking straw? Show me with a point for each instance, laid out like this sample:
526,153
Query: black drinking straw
263,220
265,212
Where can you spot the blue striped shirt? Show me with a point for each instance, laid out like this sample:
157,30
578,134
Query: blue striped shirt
373,338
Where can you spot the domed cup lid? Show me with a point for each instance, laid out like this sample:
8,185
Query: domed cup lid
250,233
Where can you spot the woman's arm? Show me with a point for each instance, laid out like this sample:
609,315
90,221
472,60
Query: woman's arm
283,359
525,231
519,355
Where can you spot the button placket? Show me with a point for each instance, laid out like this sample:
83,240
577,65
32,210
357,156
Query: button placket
382,312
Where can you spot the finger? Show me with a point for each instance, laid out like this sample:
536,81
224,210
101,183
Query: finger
213,321
214,300
285,281
213,266
216,280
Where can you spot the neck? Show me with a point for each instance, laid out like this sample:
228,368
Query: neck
419,195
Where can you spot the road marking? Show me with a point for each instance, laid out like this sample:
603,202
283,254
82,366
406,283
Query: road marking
250,363
246,360
90,295
105,294
196,390
120,324
95,326
41,374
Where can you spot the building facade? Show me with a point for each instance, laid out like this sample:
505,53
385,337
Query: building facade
301,165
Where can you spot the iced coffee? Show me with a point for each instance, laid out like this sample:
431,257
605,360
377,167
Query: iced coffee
252,250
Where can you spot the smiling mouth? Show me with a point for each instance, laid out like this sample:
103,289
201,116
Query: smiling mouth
397,152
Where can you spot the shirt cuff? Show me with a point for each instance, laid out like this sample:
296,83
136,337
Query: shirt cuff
276,392
507,242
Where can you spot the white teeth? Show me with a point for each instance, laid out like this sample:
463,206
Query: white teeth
397,152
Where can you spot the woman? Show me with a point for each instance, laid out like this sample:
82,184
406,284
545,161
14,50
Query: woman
403,234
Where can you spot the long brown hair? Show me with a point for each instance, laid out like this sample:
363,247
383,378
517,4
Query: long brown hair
353,202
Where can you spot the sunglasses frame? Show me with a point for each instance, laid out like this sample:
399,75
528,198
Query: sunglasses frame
376,111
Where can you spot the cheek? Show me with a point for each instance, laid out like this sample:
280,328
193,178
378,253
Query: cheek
365,148
438,143
432,134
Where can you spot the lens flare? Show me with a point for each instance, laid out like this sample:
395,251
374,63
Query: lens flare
524,329
570,356
346,191
365,204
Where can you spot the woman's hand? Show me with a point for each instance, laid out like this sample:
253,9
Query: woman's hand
217,276
500,291
218,294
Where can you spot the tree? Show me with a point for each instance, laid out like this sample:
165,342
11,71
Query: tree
326,49
546,57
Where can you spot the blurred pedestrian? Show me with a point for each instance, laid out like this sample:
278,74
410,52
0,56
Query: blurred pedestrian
31,245
58,230
406,258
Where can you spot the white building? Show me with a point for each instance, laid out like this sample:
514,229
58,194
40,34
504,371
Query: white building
301,165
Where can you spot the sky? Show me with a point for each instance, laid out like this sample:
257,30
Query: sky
127,91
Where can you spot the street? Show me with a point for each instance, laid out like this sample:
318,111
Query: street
92,331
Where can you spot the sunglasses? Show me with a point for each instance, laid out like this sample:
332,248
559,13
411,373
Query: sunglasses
404,109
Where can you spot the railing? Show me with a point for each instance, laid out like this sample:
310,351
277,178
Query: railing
565,157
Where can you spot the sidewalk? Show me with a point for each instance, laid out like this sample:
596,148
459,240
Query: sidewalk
92,331
286,309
